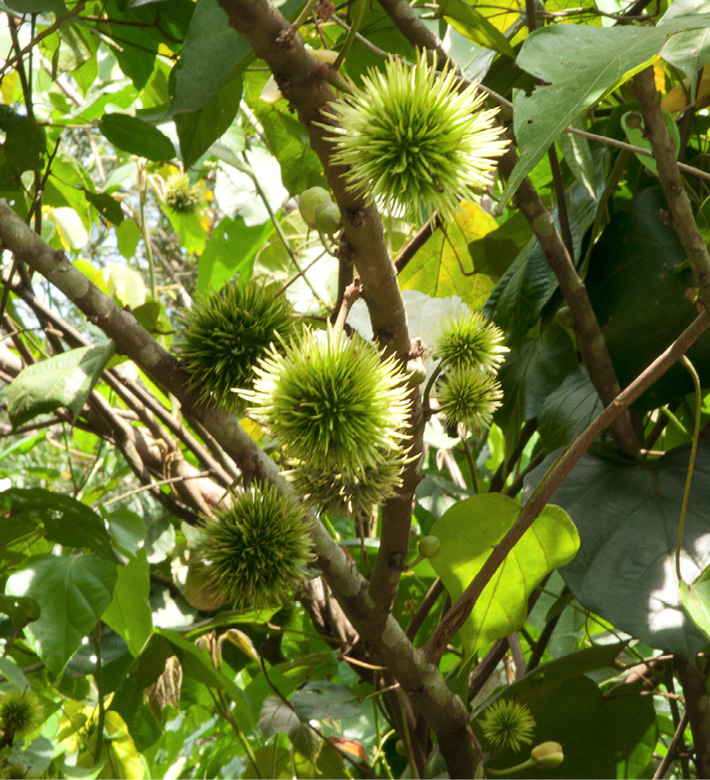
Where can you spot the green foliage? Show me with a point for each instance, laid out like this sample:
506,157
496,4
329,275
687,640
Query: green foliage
193,588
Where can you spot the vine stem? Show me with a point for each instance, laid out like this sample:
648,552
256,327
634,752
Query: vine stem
358,13
691,463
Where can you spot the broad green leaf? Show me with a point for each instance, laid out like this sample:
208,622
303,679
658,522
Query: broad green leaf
197,130
277,717
70,229
33,759
568,410
602,59
602,735
494,253
61,380
12,672
688,51
444,265
127,529
531,374
211,51
65,520
627,517
469,22
37,6
25,142
324,700
107,206
696,602
231,250
128,235
72,592
643,295
135,136
129,613
469,530
20,611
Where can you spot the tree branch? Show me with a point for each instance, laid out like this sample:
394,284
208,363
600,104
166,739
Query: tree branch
461,609
682,217
429,694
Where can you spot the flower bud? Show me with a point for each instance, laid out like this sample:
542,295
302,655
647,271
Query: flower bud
547,755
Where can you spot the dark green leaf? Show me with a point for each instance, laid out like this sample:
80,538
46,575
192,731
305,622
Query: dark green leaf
133,135
107,206
61,380
627,516
276,717
25,143
324,700
72,592
129,613
568,410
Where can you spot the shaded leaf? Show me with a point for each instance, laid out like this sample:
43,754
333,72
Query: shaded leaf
568,410
324,700
129,613
627,517
469,530
276,717
135,136
469,22
61,380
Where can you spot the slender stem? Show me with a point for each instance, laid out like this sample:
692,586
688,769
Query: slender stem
358,13
99,678
471,464
691,463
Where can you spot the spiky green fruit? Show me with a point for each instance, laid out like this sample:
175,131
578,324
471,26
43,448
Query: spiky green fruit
469,398
256,550
348,493
332,402
179,195
470,341
413,140
224,334
507,724
21,712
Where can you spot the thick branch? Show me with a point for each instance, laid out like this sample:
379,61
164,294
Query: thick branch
302,81
682,217
461,609
443,710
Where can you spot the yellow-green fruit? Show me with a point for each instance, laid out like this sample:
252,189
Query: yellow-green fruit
328,218
429,546
547,755
309,202
199,590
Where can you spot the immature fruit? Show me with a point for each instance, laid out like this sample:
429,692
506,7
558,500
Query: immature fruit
225,333
179,195
429,546
20,712
309,201
256,550
469,398
508,724
414,140
328,218
470,341
331,401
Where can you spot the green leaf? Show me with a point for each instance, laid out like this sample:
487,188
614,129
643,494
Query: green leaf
128,235
25,143
13,673
72,592
696,602
567,411
627,517
231,249
609,736
642,292
324,700
469,530
135,136
469,22
198,130
444,265
129,613
602,59
65,520
20,611
688,51
636,135
106,205
495,252
531,374
212,49
61,380
276,717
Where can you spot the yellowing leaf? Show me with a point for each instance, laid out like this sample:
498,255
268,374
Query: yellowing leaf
679,97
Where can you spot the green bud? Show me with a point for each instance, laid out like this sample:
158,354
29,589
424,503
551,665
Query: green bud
328,218
309,202
400,748
429,546
547,755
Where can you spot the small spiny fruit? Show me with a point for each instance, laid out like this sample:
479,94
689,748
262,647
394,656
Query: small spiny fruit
469,398
179,195
507,724
470,341
225,333
256,550
21,712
